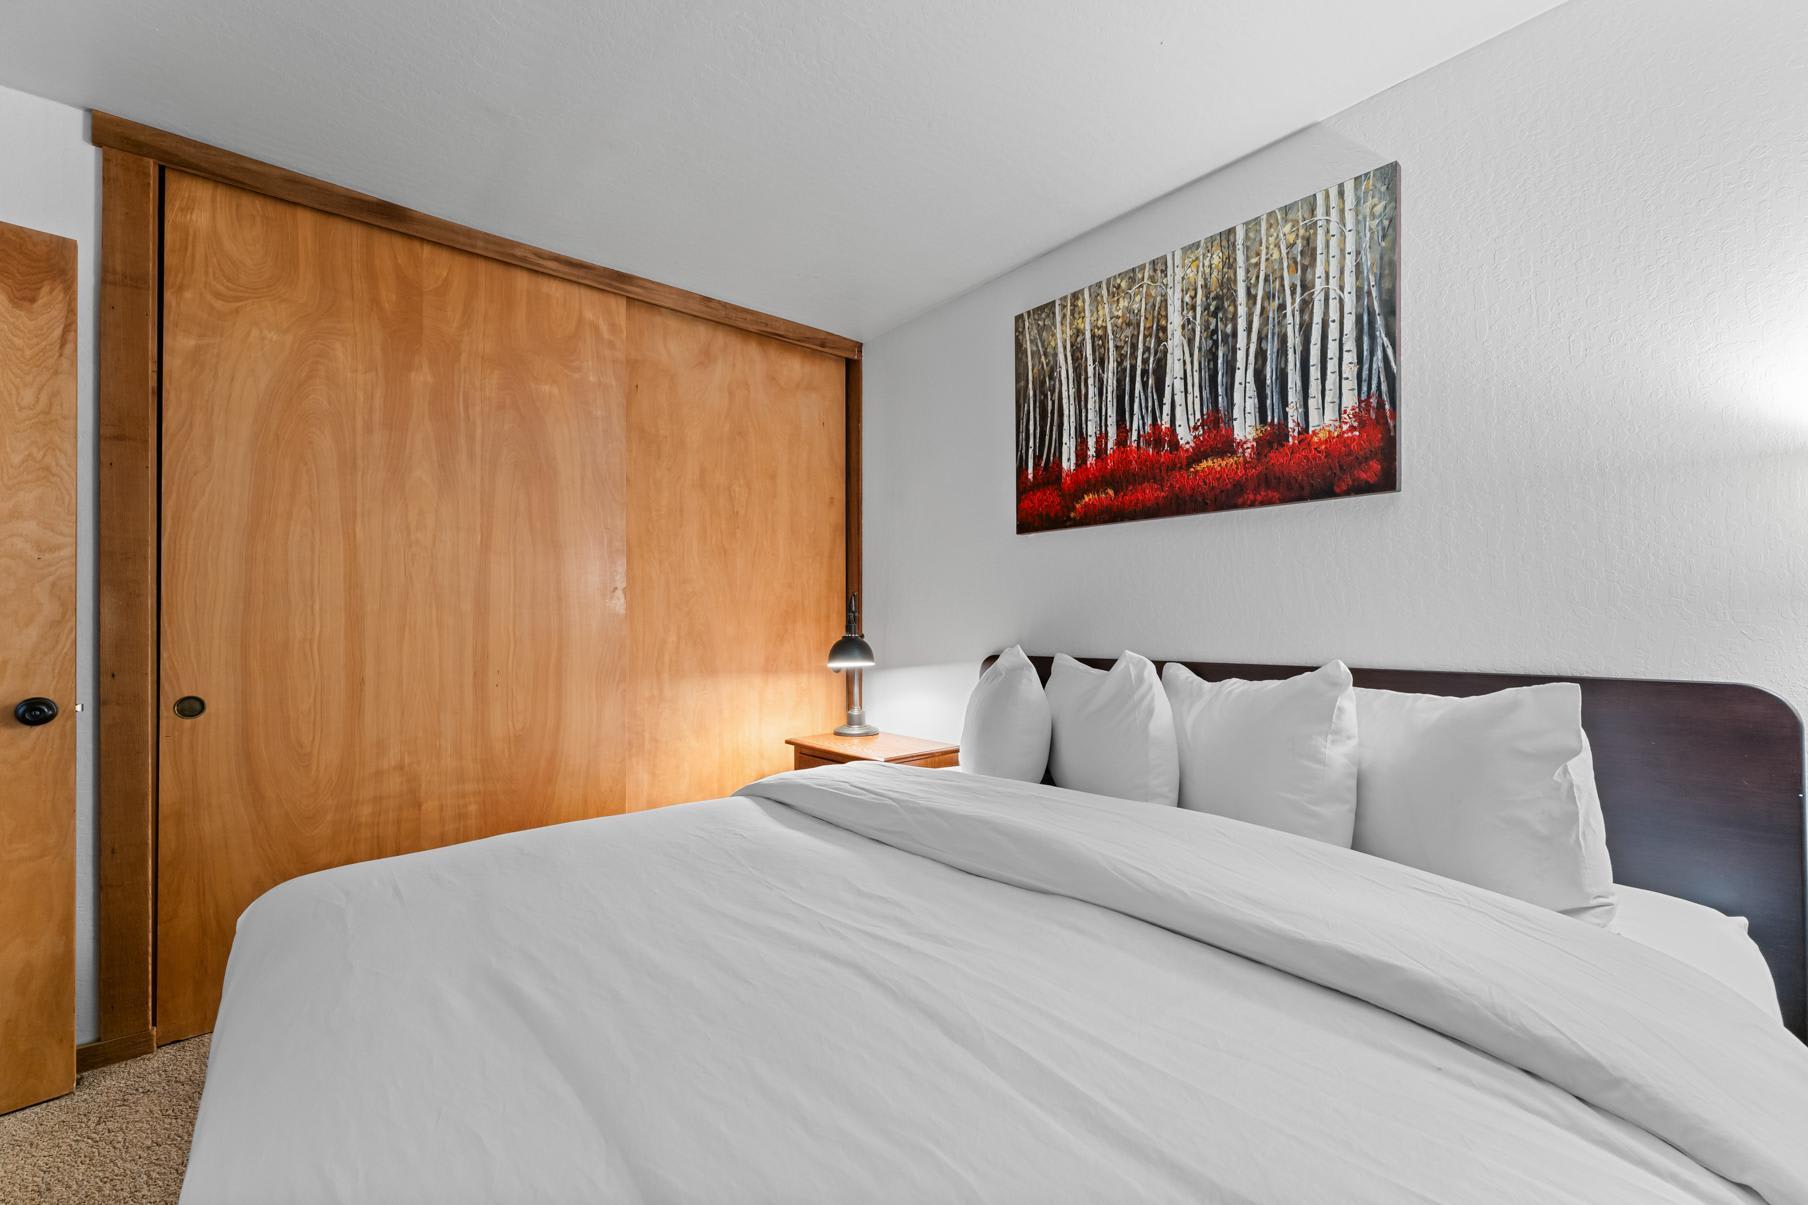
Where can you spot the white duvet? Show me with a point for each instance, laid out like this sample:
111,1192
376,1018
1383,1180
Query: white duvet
876,983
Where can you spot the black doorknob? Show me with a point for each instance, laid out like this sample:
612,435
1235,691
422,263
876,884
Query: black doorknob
35,711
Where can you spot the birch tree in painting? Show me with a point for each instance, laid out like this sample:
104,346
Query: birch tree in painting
1090,428
1290,266
1175,391
1251,366
1315,398
1240,396
1346,398
1251,396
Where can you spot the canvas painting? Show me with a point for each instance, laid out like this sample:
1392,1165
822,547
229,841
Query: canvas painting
1257,366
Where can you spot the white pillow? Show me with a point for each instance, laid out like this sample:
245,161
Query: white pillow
1597,866
1113,730
1707,939
1496,790
1005,733
1279,754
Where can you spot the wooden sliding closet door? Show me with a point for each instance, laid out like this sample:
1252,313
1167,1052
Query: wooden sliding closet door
736,527
394,558
37,662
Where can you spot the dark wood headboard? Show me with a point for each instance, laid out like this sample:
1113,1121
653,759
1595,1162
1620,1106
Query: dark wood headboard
1701,787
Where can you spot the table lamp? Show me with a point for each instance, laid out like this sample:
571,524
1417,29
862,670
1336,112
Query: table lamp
853,654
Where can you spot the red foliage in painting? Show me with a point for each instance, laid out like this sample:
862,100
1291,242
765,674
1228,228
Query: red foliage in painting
1043,507
1160,473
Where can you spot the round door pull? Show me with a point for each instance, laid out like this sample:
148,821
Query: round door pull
35,711
190,706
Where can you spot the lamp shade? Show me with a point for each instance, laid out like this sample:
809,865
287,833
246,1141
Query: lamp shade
850,652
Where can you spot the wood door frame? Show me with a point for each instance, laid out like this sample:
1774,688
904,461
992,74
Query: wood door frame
199,159
129,421
134,158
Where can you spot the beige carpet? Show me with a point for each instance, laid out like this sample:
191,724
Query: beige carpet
120,1139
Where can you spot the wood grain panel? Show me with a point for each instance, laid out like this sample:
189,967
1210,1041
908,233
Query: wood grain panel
394,557
126,704
37,657
736,558
211,162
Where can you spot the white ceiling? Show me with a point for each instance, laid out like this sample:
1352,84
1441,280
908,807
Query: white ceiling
844,163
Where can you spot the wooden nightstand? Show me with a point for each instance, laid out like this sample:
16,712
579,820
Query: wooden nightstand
828,749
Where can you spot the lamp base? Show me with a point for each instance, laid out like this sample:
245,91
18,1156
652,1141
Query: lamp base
856,710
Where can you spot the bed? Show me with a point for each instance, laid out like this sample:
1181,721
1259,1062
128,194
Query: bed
877,983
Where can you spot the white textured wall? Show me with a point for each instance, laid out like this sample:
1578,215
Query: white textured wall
51,181
1604,342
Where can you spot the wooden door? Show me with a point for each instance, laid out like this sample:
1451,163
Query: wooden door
394,558
37,660
736,530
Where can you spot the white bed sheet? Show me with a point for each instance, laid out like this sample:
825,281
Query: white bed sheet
908,985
